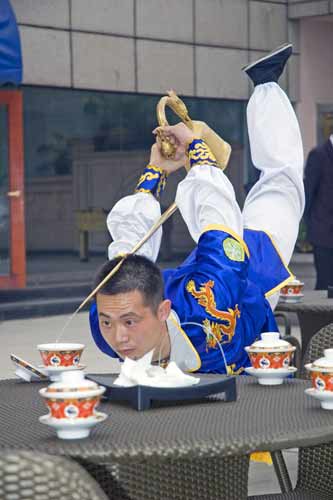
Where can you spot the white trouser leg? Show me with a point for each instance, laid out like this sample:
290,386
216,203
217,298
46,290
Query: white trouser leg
276,202
205,197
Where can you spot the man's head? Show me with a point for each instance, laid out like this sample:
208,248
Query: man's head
131,308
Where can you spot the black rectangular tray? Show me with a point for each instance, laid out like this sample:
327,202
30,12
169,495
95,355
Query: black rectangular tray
141,396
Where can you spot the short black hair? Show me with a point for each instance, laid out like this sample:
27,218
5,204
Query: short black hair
135,273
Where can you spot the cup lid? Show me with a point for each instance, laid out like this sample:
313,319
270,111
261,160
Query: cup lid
270,340
72,381
326,361
293,283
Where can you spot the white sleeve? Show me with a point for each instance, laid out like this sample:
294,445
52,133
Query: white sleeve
130,220
206,197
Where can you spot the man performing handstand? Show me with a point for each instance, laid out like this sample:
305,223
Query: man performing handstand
225,291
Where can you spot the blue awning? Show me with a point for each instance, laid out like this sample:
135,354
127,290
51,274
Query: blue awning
10,46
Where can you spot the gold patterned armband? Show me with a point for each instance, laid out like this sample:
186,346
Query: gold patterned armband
153,180
200,154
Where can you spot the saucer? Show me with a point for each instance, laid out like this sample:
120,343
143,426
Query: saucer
54,372
270,376
325,397
27,371
292,298
77,428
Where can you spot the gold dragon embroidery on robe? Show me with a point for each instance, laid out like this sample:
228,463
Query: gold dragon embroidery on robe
215,332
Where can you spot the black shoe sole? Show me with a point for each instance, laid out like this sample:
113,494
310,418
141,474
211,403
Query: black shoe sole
279,49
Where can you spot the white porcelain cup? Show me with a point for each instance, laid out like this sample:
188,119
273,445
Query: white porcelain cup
61,354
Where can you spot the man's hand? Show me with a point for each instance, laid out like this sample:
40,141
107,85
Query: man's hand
158,160
179,135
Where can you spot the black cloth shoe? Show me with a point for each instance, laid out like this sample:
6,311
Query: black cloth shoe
269,68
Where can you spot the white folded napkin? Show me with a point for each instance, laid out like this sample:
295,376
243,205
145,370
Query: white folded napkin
142,372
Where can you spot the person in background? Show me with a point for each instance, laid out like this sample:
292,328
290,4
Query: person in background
319,210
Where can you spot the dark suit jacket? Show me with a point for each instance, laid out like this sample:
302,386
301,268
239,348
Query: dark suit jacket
319,195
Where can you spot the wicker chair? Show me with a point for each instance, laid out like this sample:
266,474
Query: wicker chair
286,322
36,476
290,338
315,478
320,341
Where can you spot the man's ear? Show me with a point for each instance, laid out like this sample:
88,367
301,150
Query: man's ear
164,309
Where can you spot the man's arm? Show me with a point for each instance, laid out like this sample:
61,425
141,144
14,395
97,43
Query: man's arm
129,221
206,196
133,216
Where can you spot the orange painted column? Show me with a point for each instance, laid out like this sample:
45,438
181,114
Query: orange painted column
17,278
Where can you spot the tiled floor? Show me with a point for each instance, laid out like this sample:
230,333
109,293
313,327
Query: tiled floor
262,478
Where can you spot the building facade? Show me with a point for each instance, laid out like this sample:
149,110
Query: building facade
94,72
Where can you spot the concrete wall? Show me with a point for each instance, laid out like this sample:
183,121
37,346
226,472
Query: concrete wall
306,8
194,46
314,30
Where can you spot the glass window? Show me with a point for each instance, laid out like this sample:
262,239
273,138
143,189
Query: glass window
84,150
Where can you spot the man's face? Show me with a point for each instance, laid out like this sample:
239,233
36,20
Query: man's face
130,327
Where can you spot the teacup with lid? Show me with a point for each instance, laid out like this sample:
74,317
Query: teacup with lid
292,292
72,405
270,352
270,358
321,371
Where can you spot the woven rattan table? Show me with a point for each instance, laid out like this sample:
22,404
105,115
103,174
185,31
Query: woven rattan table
177,452
314,312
